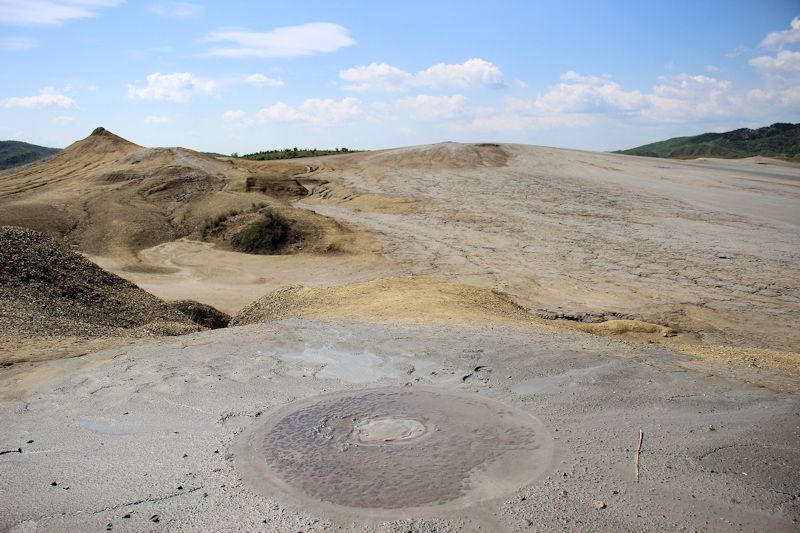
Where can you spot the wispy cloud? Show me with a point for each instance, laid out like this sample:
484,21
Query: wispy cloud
156,119
17,44
180,10
779,39
175,87
48,97
288,41
383,77
50,12
259,80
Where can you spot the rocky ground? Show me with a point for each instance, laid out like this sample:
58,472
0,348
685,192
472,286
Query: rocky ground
50,295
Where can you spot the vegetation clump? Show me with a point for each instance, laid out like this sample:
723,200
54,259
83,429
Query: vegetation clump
215,223
269,234
291,153
201,314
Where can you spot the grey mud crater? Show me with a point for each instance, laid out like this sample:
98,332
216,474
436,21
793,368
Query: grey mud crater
392,449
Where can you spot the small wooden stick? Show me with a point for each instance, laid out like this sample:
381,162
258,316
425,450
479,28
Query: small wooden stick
638,451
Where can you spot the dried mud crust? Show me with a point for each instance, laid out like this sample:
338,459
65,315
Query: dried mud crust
578,233
428,300
436,448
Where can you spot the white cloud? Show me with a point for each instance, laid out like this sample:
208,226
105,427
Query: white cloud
236,118
50,12
48,97
427,107
781,89
279,112
314,110
181,10
383,77
779,39
288,41
175,87
259,80
581,101
676,98
328,111
685,97
786,60
17,44
376,77
775,97
473,72
587,94
155,119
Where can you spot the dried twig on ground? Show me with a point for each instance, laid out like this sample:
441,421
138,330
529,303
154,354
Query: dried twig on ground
639,451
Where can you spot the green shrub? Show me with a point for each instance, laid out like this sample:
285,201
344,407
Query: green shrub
267,235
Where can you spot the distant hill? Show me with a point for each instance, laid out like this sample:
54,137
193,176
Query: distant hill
779,140
15,153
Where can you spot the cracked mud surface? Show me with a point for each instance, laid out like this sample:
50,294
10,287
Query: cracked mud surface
709,246
154,429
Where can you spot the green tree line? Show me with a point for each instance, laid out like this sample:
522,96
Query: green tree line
292,153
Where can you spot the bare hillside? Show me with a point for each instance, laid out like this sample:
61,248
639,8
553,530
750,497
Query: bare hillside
111,197
708,248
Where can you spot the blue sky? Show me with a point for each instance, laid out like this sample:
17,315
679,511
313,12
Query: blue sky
245,76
